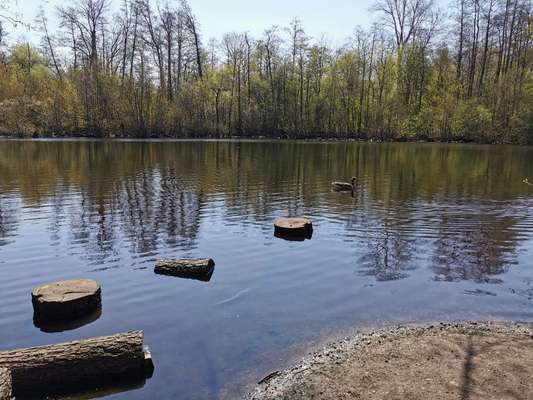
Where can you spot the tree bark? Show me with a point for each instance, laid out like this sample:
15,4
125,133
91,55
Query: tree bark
485,47
197,48
56,368
5,384
201,269
296,227
60,301
461,41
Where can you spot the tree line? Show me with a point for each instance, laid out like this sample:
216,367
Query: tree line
145,70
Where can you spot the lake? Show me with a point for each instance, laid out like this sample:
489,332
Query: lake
432,232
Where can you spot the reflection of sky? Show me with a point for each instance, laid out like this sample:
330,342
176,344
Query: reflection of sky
334,18
432,232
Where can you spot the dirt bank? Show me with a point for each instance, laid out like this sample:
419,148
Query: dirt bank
446,361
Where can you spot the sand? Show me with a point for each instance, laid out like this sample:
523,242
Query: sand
439,362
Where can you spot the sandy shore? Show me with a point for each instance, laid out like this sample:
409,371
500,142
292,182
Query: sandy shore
444,361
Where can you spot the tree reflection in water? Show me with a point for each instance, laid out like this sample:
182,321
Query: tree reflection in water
105,196
423,216
389,255
475,247
8,220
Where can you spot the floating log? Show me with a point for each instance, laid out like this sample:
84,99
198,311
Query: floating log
5,384
293,228
84,363
64,300
200,269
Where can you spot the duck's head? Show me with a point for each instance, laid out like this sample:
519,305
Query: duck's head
353,180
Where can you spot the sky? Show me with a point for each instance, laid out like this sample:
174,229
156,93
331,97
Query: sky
336,19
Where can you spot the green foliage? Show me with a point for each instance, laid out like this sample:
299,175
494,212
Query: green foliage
370,89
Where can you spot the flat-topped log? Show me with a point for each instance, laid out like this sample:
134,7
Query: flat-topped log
5,384
293,228
200,269
85,363
65,300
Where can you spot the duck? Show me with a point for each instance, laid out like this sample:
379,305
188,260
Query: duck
343,186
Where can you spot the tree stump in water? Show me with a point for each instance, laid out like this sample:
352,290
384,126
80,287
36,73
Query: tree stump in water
60,301
293,228
200,269
5,384
76,365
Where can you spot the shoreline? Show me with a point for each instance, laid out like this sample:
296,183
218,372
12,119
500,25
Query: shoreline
358,365
319,139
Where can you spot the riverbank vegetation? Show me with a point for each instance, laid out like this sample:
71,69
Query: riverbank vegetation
146,70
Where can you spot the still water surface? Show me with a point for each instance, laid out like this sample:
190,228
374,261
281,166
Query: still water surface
432,232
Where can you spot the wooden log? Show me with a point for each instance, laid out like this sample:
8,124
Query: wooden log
293,228
5,384
84,363
200,269
64,300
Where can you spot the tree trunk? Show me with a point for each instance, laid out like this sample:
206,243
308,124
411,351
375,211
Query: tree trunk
461,42
197,48
169,66
485,48
56,368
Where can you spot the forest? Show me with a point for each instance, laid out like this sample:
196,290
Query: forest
145,70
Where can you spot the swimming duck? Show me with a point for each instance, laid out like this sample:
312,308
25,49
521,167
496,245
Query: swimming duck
343,186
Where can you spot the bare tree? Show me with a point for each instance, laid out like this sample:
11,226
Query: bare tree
3,34
168,24
192,25
488,26
154,37
86,17
460,51
48,40
405,17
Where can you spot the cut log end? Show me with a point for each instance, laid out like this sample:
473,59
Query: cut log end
293,228
64,300
148,364
199,269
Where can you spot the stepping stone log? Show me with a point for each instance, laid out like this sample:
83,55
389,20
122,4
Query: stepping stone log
67,367
66,300
199,269
293,227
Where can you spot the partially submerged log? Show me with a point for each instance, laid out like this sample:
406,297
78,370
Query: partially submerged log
200,269
293,228
64,300
5,384
84,363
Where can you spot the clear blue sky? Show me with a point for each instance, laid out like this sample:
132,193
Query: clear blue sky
335,18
